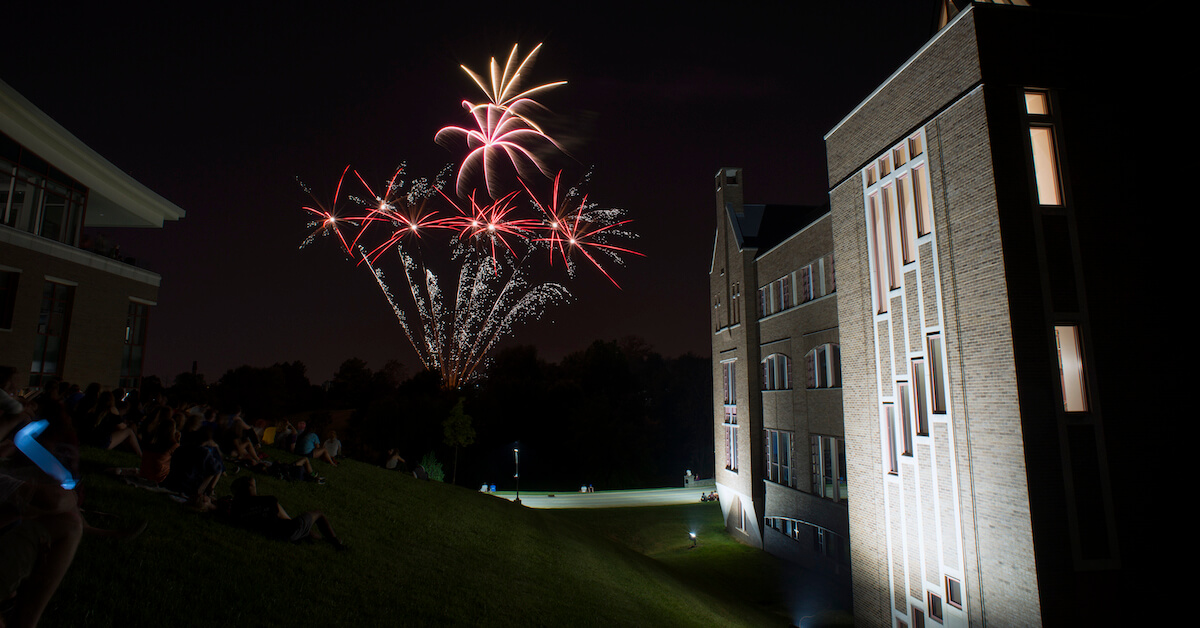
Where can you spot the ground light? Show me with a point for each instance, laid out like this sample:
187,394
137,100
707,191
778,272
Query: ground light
517,472
693,537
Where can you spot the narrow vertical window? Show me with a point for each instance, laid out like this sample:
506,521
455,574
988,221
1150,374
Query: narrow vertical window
916,145
920,184
937,374
908,231
1070,367
877,235
1045,165
906,418
920,397
889,419
729,384
892,226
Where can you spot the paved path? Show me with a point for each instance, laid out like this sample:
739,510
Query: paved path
610,499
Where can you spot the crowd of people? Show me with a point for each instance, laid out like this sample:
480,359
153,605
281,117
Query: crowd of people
184,450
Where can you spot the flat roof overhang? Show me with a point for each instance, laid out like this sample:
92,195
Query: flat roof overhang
115,199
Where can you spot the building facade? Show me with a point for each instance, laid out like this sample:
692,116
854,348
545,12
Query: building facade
777,416
967,238
69,310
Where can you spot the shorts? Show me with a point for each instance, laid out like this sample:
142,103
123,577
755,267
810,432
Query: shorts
299,527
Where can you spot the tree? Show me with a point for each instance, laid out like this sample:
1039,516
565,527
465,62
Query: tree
458,432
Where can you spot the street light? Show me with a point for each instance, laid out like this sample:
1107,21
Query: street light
517,473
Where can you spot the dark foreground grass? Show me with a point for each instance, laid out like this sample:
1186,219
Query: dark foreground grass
423,553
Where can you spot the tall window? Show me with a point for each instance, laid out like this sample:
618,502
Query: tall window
829,468
1070,367
889,430
937,374
53,323
729,382
905,418
1041,139
135,342
824,366
777,372
779,457
920,397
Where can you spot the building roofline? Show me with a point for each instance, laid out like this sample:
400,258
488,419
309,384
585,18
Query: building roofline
903,66
788,239
109,186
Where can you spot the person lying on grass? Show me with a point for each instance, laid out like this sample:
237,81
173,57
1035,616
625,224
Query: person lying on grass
265,514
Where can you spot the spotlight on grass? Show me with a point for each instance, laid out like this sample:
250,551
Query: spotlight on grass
693,537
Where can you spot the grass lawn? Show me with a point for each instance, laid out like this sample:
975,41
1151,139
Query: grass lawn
422,553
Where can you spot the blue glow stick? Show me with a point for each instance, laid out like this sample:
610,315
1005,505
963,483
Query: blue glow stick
38,454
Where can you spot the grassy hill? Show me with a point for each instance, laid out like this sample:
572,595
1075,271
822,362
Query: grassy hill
423,553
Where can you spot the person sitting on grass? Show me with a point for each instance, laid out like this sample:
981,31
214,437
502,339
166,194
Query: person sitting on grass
393,460
309,445
107,429
333,445
265,514
196,467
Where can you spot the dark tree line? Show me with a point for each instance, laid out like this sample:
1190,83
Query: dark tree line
615,415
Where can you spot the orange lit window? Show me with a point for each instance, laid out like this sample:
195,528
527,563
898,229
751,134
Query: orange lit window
1070,367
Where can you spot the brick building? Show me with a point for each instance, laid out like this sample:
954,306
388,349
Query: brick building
979,325
69,308
777,382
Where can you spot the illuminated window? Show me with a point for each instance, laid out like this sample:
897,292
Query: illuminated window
906,418
954,592
779,457
729,383
891,225
829,468
54,321
1070,367
898,213
937,374
777,372
878,240
816,280
824,366
1041,139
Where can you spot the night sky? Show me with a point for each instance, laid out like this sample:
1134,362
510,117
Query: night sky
220,110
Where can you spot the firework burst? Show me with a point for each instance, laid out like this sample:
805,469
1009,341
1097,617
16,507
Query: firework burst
493,243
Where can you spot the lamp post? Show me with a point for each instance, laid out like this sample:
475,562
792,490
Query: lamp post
517,473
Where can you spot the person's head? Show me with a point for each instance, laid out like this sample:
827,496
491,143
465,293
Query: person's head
332,435
244,487
106,401
301,426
